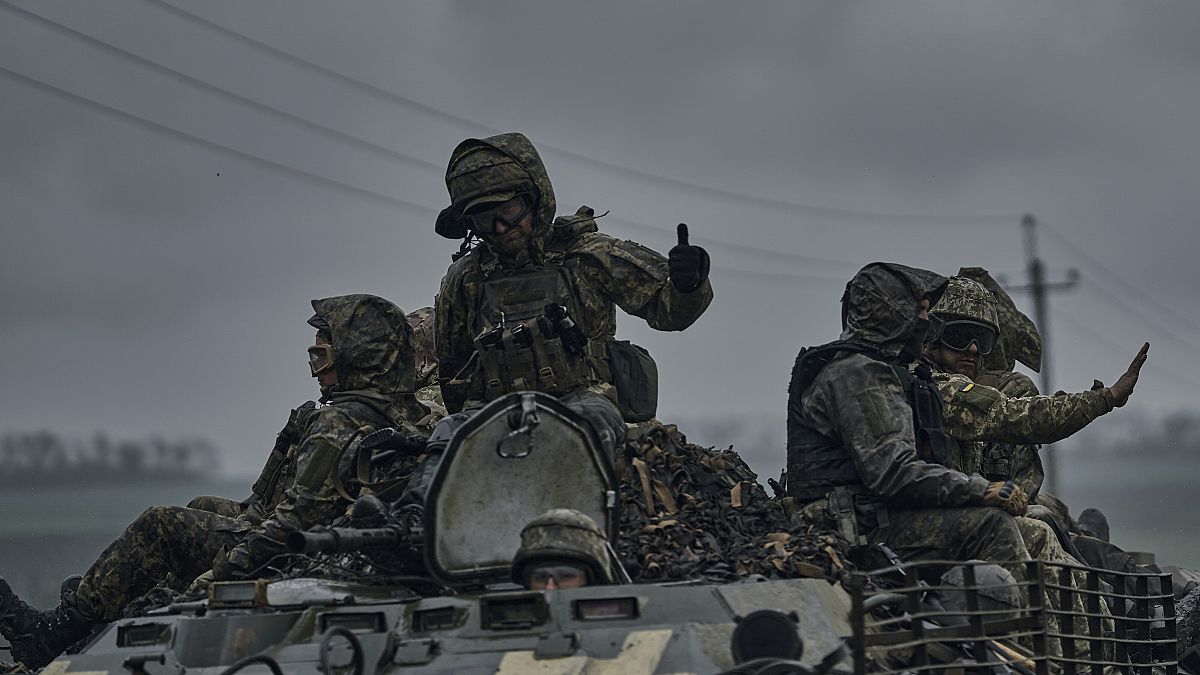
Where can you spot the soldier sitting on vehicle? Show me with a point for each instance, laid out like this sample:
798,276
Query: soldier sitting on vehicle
363,360
866,449
562,548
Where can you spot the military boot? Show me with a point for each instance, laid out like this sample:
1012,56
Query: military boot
1093,523
37,636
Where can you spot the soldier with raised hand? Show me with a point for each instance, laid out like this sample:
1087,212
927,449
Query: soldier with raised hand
532,304
363,361
988,424
866,451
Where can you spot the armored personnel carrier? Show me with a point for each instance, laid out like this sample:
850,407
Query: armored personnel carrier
451,606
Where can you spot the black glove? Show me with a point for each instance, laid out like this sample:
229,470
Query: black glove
688,264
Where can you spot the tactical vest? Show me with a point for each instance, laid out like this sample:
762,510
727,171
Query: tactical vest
517,346
818,464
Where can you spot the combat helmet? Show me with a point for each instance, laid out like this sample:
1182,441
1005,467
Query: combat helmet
493,170
968,299
996,590
564,534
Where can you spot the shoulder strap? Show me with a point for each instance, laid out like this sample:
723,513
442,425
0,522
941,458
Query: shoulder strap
812,360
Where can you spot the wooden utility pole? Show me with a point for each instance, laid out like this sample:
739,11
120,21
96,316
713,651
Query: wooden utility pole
1039,287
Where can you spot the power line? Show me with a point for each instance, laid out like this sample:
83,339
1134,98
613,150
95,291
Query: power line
349,138
1103,270
204,142
1122,350
1130,309
347,188
763,252
739,197
221,92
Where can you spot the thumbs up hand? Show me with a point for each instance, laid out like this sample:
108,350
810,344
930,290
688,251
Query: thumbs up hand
688,264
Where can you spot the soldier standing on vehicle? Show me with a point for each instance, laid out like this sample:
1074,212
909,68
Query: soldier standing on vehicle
532,305
866,451
363,360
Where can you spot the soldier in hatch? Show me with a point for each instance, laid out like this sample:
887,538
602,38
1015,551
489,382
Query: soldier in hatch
363,360
499,315
865,445
562,548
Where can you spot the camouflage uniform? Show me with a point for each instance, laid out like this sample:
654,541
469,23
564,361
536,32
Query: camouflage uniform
567,262
853,428
374,358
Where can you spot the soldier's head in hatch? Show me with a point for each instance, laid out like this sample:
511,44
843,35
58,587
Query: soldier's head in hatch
964,328
562,548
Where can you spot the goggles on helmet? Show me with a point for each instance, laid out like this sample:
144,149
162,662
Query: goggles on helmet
958,334
483,220
562,573
320,358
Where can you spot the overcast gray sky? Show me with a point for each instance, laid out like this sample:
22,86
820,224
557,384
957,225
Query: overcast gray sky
179,180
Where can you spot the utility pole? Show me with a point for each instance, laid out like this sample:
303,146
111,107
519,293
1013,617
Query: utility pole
1039,287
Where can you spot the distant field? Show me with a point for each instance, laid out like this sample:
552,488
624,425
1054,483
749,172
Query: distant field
48,533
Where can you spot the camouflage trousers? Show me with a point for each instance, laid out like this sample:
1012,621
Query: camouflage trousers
954,533
222,506
1043,544
162,541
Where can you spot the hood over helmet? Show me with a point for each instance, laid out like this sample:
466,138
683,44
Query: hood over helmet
494,169
1019,336
968,299
564,534
373,352
880,307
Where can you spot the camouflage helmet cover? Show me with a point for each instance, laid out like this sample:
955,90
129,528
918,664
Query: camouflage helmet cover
496,168
969,300
1019,337
563,534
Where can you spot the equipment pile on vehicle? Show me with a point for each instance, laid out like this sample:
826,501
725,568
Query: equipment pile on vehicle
690,512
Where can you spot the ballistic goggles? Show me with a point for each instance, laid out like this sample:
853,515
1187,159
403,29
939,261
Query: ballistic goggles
320,358
562,574
510,212
958,334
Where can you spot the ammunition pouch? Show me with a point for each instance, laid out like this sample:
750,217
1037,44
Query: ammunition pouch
635,376
997,461
852,514
528,356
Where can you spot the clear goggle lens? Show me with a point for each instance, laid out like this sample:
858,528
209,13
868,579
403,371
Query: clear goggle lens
320,358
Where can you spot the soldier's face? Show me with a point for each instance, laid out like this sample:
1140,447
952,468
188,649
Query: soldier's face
327,378
961,362
514,238
549,576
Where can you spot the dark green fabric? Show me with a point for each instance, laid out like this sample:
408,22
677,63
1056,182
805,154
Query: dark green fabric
635,375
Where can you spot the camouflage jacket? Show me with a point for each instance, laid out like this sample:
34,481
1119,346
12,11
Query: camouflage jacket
604,273
373,342
860,401
983,418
